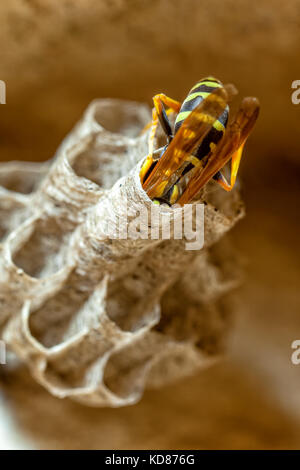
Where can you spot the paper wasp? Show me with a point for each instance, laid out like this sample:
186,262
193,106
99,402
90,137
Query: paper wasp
200,144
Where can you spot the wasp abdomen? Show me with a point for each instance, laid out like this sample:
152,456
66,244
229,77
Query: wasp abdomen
197,94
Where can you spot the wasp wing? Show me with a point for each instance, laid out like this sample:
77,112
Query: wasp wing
233,140
189,136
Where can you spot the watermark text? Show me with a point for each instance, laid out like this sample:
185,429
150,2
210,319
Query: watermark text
2,92
182,223
295,97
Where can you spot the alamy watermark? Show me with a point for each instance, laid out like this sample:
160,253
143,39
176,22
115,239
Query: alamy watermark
295,357
2,353
159,223
295,97
2,92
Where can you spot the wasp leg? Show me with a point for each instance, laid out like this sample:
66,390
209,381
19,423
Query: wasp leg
173,105
153,132
160,100
217,161
169,102
163,118
221,180
149,160
235,163
158,114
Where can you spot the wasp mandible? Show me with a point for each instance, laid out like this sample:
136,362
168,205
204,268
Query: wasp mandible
200,145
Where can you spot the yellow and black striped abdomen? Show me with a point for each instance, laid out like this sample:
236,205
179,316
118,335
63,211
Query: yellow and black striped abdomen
198,93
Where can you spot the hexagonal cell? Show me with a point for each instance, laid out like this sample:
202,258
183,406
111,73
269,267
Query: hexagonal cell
102,164
121,117
126,369
41,252
12,213
20,177
70,309
126,306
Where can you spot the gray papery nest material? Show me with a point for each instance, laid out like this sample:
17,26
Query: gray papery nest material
100,319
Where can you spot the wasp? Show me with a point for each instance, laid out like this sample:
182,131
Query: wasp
200,143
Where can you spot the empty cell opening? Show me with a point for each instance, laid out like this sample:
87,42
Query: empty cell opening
43,254
125,305
122,117
50,323
67,313
72,379
12,214
78,366
103,165
124,373
23,181
193,322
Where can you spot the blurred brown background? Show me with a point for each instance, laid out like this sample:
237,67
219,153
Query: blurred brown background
56,56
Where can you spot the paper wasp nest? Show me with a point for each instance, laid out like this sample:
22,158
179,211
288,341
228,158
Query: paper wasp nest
95,318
